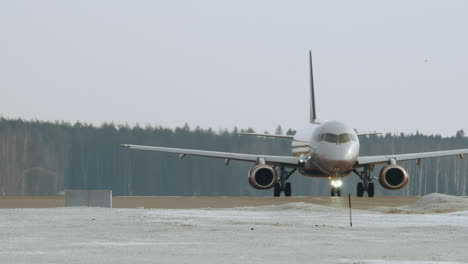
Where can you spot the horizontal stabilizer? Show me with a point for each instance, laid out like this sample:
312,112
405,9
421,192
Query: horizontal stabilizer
266,135
369,134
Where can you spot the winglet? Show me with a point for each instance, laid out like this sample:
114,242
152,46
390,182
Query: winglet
313,115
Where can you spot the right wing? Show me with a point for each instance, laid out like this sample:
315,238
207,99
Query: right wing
366,160
288,161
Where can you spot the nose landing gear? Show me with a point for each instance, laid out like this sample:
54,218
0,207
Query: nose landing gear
366,185
282,185
336,187
335,192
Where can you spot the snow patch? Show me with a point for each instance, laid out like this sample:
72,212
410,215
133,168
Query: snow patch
244,235
434,203
132,243
299,206
397,262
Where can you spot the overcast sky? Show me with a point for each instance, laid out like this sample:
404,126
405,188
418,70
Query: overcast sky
390,66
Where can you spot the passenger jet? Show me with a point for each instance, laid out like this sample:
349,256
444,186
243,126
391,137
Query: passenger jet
327,150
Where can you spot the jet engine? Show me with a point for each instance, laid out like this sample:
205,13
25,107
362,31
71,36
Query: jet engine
262,177
393,177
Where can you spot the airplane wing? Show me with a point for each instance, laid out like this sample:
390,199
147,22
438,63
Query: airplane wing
367,160
227,156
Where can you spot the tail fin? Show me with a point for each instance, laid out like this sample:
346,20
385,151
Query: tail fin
313,115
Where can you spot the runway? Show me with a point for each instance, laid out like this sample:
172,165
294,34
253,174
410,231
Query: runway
285,231
207,202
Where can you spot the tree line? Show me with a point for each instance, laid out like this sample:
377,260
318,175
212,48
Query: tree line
45,158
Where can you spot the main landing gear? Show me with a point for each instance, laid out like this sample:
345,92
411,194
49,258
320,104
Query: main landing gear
366,185
281,185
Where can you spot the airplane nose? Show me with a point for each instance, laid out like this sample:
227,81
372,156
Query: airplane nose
341,165
338,158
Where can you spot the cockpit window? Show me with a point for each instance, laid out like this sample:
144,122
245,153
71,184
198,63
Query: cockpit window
320,137
332,138
338,139
344,138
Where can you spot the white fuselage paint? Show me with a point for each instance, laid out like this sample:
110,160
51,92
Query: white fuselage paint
327,149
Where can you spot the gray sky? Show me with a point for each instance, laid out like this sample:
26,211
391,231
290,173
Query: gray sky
391,66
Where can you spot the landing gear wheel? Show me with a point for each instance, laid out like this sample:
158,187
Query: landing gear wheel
338,192
277,190
370,189
360,189
287,189
333,192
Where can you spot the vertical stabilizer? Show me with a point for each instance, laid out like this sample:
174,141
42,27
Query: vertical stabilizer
313,115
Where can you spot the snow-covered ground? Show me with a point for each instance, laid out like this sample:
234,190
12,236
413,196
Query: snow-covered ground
289,233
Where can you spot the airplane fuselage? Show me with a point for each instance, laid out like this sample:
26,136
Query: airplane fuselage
327,149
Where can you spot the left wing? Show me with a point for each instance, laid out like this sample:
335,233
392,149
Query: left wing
366,160
227,156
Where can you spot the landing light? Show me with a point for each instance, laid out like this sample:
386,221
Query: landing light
336,183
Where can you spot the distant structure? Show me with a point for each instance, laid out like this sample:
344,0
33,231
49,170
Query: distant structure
88,198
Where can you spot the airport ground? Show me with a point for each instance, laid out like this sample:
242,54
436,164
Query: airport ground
207,202
401,230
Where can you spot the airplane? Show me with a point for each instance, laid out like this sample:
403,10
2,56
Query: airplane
327,150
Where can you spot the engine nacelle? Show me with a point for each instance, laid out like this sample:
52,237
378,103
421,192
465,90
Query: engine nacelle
393,177
262,177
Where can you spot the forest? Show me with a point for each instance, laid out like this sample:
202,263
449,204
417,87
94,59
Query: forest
46,158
